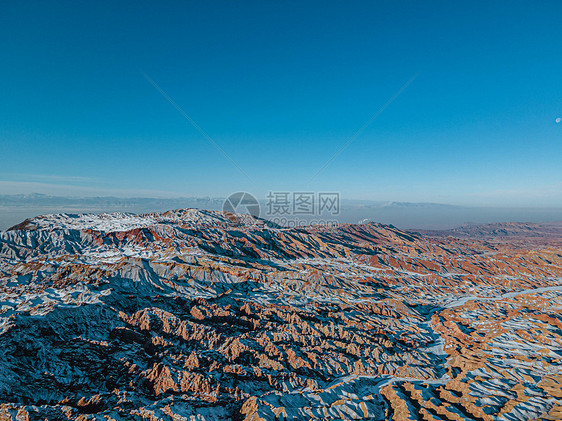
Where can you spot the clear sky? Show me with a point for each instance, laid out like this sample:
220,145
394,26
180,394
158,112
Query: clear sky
280,88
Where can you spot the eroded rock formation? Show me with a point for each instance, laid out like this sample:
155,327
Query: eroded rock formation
203,315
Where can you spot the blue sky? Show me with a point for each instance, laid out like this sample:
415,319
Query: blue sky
280,87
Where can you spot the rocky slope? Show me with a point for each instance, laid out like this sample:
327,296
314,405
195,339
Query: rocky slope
199,315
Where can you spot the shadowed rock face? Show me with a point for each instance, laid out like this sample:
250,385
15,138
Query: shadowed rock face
194,314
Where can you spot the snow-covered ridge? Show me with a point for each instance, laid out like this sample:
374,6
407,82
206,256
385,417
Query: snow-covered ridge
192,314
120,221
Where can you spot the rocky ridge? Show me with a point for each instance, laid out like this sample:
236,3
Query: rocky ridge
193,314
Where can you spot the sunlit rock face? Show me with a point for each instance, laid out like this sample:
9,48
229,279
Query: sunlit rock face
192,314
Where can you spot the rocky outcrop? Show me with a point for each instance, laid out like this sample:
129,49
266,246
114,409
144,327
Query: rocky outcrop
203,315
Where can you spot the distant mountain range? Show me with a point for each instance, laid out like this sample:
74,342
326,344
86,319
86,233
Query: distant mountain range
15,208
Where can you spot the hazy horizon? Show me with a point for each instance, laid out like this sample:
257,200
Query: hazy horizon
406,215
